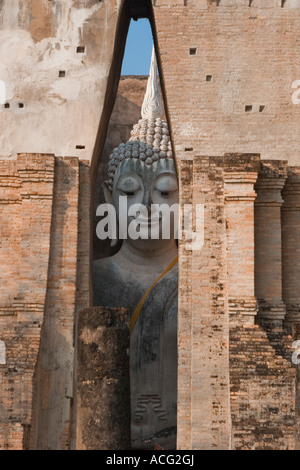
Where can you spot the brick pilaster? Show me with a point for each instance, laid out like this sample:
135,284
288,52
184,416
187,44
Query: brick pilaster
291,244
268,242
203,330
240,175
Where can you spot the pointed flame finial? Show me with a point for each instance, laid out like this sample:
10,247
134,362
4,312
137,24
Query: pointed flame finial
152,106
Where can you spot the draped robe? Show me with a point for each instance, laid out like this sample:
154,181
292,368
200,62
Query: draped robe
153,350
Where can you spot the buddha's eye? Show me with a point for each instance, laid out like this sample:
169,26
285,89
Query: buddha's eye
166,185
129,185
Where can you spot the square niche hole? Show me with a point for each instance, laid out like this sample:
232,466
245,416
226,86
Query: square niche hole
193,50
208,78
80,49
62,73
7,105
248,108
261,108
21,105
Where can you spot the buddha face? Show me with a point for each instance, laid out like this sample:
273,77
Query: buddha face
147,185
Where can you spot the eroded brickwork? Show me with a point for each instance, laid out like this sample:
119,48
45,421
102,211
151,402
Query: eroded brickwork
204,418
37,318
55,376
26,212
262,384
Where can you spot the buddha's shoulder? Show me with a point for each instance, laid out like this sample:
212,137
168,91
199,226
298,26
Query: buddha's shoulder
103,263
106,281
106,270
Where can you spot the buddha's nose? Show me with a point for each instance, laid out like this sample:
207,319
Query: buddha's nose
147,200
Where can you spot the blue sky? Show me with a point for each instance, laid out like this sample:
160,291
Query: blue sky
138,49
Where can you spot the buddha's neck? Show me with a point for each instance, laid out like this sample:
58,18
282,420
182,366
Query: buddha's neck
153,257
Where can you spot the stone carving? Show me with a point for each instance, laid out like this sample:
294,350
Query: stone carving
150,139
152,106
143,406
144,170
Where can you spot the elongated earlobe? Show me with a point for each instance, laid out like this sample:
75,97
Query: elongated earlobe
107,192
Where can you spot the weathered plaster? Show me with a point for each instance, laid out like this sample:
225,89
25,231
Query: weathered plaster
38,40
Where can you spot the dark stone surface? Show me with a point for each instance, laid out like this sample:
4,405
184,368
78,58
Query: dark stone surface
140,9
103,393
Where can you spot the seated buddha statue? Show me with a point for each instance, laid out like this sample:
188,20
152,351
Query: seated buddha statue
143,275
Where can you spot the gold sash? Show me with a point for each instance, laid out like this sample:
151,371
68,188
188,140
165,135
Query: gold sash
141,303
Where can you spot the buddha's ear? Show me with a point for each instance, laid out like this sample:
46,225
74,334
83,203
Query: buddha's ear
107,192
108,199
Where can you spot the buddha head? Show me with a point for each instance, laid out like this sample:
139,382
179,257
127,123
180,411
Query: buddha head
143,170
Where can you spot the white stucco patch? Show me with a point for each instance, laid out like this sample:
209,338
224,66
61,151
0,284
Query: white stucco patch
68,89
2,92
72,19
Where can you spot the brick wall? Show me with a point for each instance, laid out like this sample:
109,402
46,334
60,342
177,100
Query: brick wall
262,388
203,373
26,211
241,56
44,279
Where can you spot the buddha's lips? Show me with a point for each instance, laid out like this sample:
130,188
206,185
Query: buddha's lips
148,221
